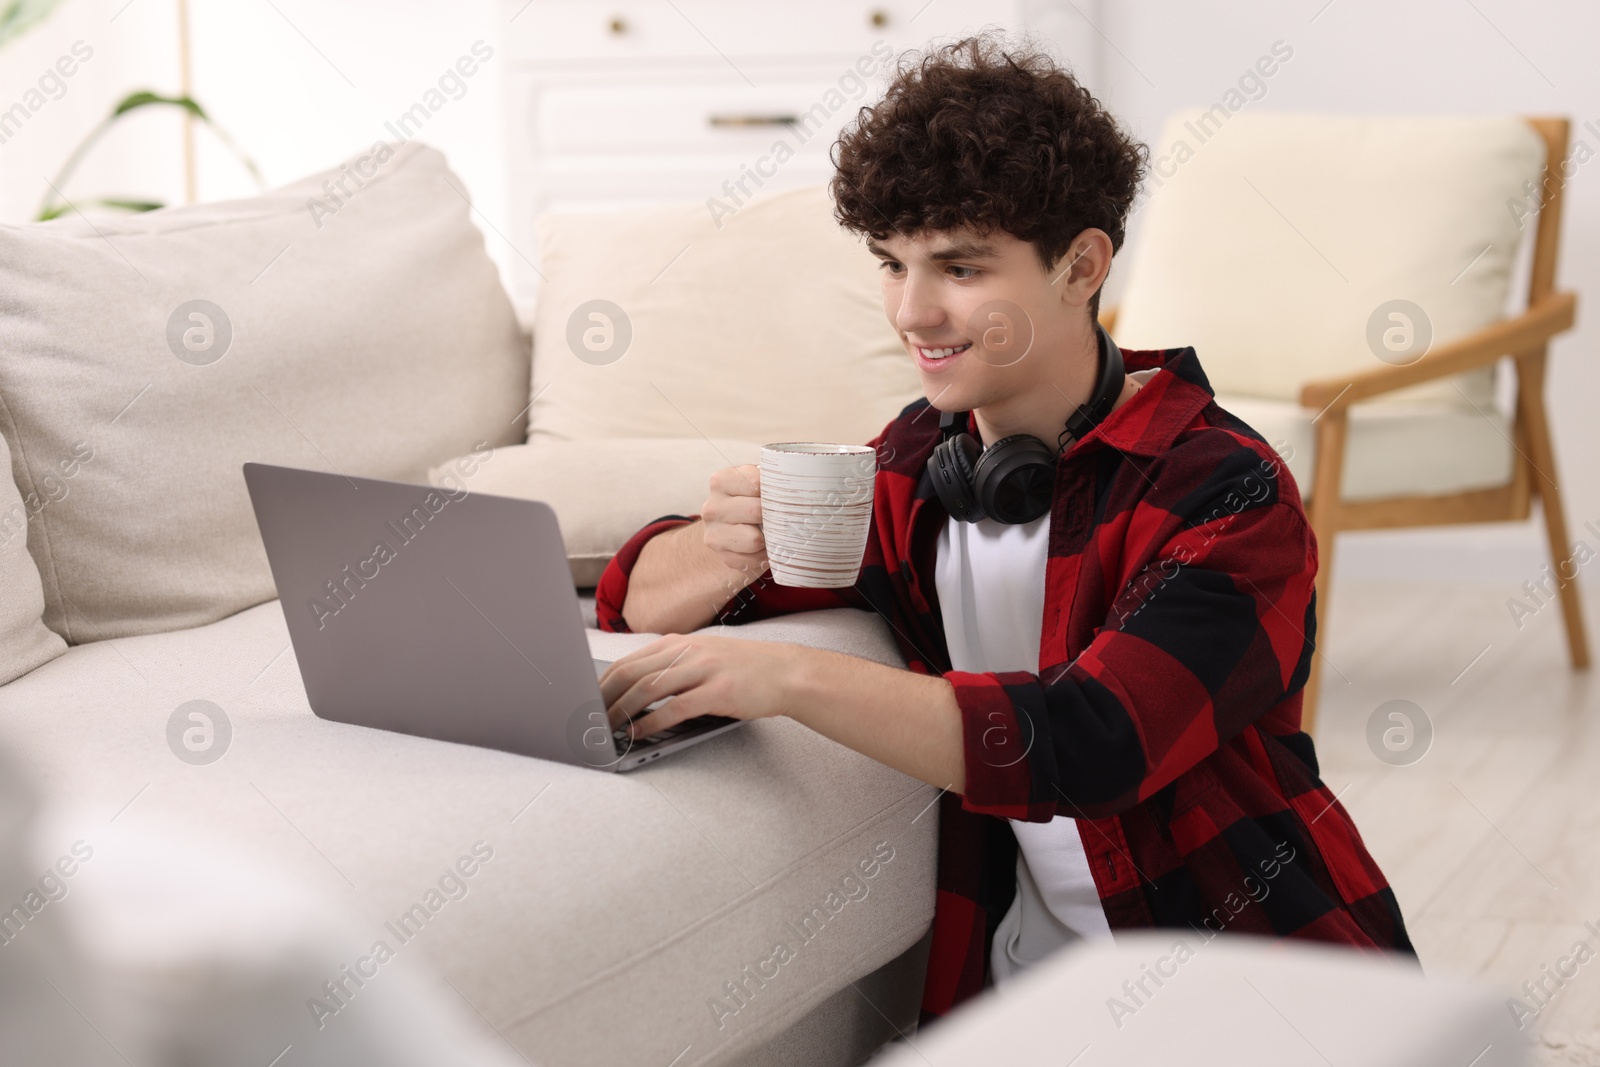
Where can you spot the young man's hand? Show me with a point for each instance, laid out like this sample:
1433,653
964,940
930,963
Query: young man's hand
704,675
900,718
684,577
731,520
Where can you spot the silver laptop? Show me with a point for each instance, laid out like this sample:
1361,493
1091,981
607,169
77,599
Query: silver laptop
442,613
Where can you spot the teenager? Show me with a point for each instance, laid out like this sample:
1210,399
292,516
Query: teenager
1104,590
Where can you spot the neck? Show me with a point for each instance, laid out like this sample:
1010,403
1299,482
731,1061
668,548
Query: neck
1041,408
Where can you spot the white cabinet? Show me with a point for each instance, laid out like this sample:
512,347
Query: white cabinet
647,101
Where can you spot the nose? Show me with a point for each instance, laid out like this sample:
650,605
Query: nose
919,309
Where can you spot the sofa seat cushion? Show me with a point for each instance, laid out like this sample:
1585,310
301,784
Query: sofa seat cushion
1421,448
617,911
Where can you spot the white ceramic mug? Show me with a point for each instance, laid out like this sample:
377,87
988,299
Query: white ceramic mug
816,508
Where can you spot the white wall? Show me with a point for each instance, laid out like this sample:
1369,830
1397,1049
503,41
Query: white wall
299,84
132,51
302,84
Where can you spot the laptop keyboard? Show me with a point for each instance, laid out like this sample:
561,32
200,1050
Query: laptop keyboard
620,735
687,726
624,745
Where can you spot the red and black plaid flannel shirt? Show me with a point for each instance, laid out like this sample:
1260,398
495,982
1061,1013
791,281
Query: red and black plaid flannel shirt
1178,634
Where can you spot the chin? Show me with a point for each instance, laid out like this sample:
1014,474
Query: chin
942,400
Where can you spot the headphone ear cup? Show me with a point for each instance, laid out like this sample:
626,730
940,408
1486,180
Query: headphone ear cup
952,468
1015,479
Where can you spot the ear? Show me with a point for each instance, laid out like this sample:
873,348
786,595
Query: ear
1083,267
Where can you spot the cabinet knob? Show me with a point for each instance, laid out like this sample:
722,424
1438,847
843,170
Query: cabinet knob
753,120
618,25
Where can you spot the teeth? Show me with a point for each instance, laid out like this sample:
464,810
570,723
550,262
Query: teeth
941,353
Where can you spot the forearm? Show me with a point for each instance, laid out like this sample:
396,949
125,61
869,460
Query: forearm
902,719
677,584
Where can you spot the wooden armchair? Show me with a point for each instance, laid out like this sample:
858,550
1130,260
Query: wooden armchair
1525,339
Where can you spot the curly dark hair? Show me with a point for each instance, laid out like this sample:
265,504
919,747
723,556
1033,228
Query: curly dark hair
988,134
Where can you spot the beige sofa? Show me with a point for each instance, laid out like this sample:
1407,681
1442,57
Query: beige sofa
605,918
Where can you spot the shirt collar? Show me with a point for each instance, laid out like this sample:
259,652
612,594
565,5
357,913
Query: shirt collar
1164,407
1154,416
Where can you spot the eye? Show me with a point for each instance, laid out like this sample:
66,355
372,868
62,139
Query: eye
892,266
970,273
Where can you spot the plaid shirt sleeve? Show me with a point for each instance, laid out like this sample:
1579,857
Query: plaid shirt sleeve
759,600
1211,629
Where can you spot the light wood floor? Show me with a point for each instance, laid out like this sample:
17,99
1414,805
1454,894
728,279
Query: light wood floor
1491,840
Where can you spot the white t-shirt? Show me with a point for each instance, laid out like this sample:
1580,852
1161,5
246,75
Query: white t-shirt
1000,630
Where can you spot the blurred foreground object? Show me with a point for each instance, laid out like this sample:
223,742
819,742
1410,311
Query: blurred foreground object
164,949
1171,997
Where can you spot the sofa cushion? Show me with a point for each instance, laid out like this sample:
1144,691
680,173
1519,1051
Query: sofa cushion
363,331
766,325
602,490
616,910
1270,240
25,641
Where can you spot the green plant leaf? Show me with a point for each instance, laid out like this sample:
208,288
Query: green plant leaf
55,212
130,205
144,98
50,209
19,16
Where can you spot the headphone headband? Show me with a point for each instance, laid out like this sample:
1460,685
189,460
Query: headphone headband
947,424
1106,389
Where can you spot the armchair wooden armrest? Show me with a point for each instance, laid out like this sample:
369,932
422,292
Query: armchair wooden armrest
1525,333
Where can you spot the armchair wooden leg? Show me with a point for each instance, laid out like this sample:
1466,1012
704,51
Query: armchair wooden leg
1326,487
1531,411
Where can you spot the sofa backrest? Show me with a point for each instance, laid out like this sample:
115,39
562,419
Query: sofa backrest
761,325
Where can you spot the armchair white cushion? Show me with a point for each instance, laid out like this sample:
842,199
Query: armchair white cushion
1421,448
1270,239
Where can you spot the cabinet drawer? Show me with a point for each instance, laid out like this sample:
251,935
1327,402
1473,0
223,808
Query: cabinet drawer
654,182
696,119
583,30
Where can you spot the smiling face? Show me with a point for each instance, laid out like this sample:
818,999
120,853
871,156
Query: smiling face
985,172
989,327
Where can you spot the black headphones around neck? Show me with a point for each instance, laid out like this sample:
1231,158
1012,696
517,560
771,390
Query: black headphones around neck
1013,479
